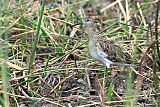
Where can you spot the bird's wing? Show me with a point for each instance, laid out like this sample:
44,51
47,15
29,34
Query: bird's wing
122,57
114,52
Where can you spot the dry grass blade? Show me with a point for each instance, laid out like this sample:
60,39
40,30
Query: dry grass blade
12,65
56,88
110,5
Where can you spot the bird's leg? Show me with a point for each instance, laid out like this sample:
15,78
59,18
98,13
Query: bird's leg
106,69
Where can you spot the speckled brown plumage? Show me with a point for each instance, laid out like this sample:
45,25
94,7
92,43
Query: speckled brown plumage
114,52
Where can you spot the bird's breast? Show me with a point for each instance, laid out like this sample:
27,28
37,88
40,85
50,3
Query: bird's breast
93,52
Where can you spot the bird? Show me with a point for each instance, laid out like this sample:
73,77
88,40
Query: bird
104,50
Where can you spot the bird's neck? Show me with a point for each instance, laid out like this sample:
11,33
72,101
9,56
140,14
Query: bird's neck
91,34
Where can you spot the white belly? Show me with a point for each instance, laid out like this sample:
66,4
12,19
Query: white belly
99,56
93,53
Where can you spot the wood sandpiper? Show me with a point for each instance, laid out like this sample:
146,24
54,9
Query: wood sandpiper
104,50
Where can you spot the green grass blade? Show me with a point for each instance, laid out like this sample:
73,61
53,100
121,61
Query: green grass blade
37,36
4,54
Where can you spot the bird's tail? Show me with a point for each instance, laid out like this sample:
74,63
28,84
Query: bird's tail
125,65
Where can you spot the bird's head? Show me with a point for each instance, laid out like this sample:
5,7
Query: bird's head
88,21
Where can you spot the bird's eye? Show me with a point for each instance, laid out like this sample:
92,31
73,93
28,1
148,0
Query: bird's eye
87,20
